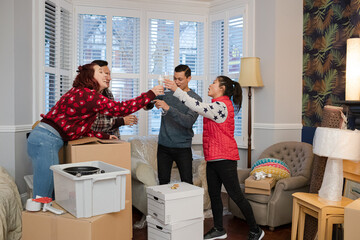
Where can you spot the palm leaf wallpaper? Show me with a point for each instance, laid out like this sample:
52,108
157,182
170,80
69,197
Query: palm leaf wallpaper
327,24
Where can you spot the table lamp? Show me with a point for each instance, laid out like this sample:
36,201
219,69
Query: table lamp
336,144
250,76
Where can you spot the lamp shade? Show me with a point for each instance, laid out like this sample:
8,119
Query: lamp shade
250,75
337,143
352,91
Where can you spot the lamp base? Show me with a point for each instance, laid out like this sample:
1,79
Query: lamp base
332,185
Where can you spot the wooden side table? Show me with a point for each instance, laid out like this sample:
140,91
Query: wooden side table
327,213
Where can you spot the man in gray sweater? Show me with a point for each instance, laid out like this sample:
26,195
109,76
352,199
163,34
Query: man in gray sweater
176,132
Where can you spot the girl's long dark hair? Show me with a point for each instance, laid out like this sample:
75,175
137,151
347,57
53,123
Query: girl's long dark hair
232,90
85,77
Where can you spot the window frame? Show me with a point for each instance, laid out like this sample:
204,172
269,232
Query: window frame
144,12
177,18
226,15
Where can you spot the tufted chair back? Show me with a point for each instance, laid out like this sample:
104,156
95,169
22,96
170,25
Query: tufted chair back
297,155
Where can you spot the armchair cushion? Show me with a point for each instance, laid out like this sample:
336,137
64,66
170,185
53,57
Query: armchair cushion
145,174
264,161
293,182
276,167
243,174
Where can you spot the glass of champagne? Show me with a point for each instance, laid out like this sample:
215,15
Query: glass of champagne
161,81
167,76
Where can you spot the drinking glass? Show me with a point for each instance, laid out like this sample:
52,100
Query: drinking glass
161,81
167,76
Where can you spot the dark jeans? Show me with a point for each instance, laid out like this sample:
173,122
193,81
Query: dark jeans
225,172
183,159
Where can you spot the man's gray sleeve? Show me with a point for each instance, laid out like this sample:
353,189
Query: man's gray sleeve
187,119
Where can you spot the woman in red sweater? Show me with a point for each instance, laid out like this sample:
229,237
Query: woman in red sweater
220,150
71,118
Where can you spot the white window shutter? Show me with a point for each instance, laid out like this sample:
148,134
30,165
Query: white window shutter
124,61
91,38
57,35
125,83
226,34
162,51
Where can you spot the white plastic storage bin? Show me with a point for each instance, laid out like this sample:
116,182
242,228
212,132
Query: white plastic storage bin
188,229
173,205
90,195
29,185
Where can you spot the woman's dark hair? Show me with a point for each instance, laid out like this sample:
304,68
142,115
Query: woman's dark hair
232,90
85,77
101,63
183,68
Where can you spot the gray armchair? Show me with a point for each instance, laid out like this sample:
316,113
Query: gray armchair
276,210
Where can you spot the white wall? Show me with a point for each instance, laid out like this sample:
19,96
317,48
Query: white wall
16,97
278,43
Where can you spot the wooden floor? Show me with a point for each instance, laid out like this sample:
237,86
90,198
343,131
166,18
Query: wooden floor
236,229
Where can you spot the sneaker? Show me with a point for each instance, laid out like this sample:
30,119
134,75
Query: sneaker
256,236
215,234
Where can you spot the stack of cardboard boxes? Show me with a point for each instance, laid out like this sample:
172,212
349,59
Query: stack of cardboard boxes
262,186
175,211
117,225
351,218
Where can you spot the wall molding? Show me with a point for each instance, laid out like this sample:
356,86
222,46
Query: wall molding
278,126
15,128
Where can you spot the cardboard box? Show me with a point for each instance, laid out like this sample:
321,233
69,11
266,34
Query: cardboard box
47,225
115,152
351,220
258,191
170,205
188,229
265,184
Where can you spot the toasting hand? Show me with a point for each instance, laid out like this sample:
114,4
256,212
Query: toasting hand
170,85
130,120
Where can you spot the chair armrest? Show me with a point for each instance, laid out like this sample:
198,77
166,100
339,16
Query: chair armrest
145,174
292,182
243,174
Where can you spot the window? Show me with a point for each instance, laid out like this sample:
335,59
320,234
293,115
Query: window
57,51
226,49
91,38
169,38
124,46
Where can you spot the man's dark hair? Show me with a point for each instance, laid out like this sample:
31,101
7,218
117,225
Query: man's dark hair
101,63
183,68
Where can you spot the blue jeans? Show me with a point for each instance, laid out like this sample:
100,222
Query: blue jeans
43,147
165,158
225,172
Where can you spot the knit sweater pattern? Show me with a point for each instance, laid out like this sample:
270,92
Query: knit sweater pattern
75,112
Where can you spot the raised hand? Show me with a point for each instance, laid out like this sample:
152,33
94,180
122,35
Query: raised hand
130,120
158,90
170,85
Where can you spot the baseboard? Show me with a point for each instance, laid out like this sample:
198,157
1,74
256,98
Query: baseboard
14,128
278,126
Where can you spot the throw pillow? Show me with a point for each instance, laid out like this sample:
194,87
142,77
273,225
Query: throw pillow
274,166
